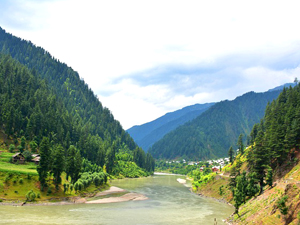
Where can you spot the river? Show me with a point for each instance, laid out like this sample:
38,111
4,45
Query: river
169,203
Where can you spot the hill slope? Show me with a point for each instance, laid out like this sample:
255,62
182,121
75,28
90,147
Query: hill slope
88,122
214,131
147,134
263,182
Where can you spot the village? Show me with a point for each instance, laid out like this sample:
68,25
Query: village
215,165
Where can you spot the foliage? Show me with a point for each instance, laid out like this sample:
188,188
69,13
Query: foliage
230,154
41,97
201,178
12,147
44,165
281,205
86,179
147,134
30,196
212,133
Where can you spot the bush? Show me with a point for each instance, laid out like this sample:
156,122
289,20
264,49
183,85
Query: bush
281,205
12,147
21,181
30,196
49,191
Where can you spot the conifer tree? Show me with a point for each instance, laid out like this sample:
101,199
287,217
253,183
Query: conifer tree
57,164
269,177
240,144
230,154
44,164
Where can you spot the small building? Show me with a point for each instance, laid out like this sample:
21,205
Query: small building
36,160
18,158
215,169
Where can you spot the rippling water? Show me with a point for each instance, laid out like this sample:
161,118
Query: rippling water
169,203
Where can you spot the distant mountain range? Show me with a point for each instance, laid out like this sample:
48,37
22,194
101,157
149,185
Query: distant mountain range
203,131
147,134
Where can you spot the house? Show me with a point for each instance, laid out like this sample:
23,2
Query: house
36,158
215,169
18,158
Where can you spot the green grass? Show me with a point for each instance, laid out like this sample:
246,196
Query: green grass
5,156
6,166
28,168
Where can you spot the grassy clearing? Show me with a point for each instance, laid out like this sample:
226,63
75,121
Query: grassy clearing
6,166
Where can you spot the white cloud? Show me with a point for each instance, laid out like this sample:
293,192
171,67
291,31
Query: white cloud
144,58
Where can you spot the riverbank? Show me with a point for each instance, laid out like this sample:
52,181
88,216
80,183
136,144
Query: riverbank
99,198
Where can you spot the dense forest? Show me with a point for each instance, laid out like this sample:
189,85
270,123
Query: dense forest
275,143
41,97
262,179
211,134
147,134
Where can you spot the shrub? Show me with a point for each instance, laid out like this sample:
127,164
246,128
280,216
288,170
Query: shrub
12,147
30,196
49,191
21,181
281,205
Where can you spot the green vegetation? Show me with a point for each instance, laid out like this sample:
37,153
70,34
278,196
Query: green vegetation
147,134
175,167
281,205
212,133
46,108
262,181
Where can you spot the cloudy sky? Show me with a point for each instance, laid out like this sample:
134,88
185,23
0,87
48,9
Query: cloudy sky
144,58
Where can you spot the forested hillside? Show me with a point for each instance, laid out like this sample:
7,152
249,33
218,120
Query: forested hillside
212,133
43,98
147,134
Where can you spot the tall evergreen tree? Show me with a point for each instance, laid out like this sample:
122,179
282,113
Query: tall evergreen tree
57,164
240,144
73,165
43,167
230,154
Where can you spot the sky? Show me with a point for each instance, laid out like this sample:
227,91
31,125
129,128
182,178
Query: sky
144,58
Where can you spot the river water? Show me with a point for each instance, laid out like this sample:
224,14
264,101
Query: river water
169,203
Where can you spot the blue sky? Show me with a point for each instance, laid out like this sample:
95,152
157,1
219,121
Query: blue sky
146,58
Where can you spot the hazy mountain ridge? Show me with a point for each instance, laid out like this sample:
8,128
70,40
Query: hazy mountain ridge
147,134
214,131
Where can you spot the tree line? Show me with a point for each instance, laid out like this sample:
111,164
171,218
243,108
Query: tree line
274,144
31,109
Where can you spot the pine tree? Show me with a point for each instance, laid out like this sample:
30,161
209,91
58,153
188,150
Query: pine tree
240,191
240,144
230,154
73,164
269,177
43,167
260,158
57,164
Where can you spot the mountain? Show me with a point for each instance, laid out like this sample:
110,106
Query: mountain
283,86
147,134
212,133
42,97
